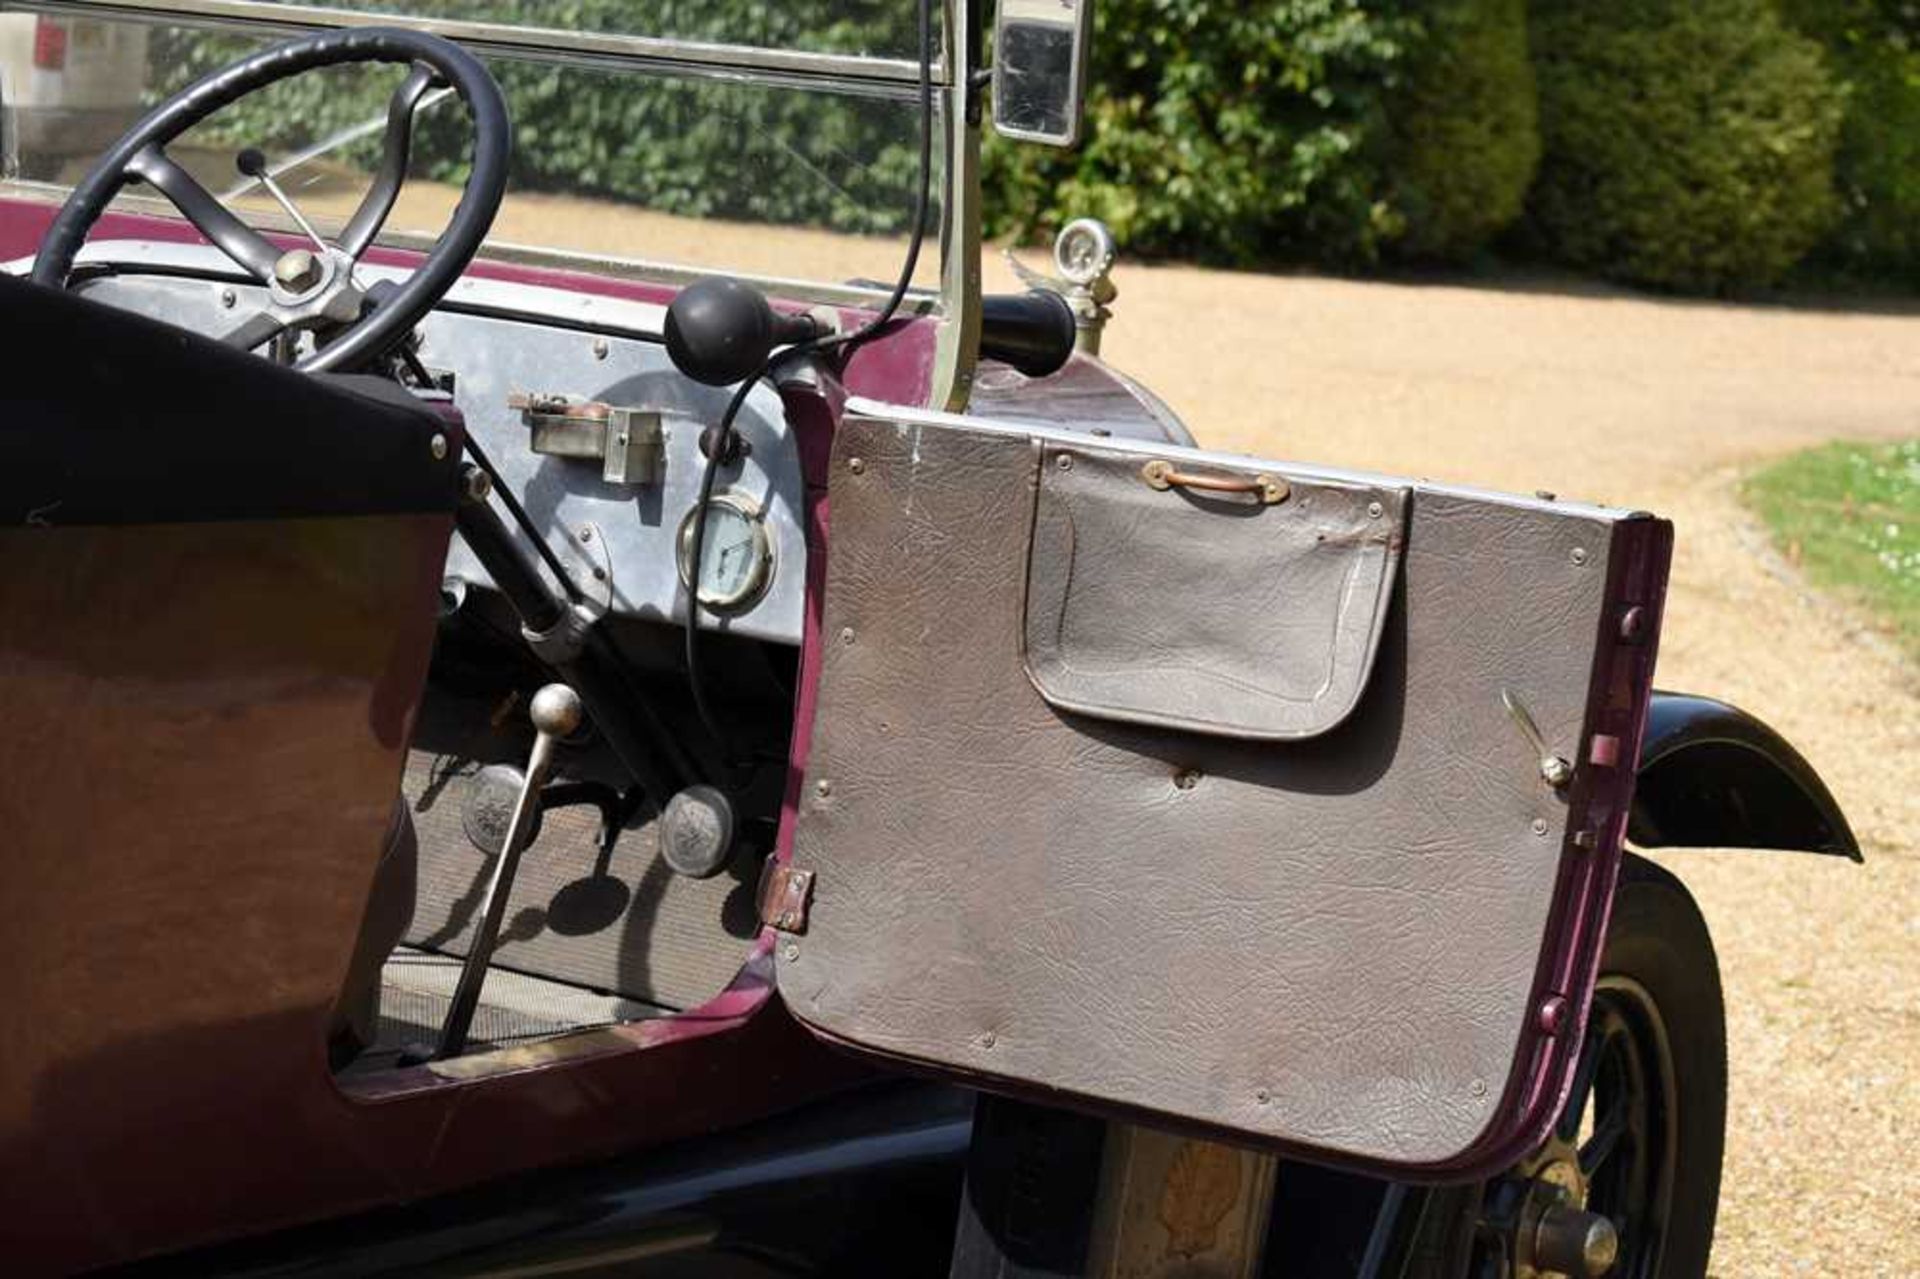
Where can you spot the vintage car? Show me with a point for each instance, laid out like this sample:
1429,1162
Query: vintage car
525,759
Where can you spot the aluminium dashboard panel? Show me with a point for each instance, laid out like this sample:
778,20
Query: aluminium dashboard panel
499,338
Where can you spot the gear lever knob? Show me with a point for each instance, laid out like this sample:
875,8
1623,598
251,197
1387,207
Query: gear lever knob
556,711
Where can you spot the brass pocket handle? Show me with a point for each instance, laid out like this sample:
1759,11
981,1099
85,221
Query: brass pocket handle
1163,475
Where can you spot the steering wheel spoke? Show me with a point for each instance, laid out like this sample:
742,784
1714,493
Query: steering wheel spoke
255,331
246,246
377,204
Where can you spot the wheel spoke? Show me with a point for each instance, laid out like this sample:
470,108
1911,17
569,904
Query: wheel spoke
1606,1137
233,237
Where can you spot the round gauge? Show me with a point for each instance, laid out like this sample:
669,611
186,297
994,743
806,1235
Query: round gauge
736,558
1084,250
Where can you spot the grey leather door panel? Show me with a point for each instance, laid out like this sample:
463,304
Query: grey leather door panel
1374,943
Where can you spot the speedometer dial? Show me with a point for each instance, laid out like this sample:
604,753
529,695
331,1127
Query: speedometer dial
736,557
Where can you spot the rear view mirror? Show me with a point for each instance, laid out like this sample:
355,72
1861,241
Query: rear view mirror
1040,69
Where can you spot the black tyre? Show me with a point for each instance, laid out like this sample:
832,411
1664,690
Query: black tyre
1661,1183
1641,1139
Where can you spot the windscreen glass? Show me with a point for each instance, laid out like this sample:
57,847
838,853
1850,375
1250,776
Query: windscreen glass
708,172
866,28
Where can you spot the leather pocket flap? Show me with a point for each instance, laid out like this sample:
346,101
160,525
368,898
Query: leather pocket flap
1205,598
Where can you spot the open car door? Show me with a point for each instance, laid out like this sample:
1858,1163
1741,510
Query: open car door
1273,803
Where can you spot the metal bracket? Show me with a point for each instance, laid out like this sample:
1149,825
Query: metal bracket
596,582
784,893
629,443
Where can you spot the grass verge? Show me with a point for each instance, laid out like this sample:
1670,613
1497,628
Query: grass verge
1849,516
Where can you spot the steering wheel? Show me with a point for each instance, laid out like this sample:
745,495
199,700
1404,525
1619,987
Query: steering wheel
312,287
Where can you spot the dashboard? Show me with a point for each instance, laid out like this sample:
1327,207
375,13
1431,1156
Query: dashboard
616,524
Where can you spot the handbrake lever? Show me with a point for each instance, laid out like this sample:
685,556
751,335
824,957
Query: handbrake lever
556,713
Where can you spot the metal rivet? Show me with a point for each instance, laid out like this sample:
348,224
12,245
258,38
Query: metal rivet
1578,556
585,534
846,635
856,465
1262,1096
1540,827
823,788
438,447
1375,510
600,348
791,953
1478,1087
1065,462
1556,772
1553,1014
1187,778
228,297
1632,623
599,574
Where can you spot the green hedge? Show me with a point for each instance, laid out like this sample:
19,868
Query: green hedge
695,147
1463,131
1875,49
1689,143
1220,129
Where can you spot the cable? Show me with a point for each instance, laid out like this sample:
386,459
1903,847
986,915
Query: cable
724,436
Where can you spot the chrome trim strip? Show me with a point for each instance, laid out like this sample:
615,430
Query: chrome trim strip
957,345
589,47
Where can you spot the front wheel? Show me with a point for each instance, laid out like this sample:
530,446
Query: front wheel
1628,1182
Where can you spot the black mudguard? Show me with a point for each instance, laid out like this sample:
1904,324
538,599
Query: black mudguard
1713,776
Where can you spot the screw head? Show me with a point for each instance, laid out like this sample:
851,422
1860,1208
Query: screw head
1540,827
228,298
438,447
846,635
1262,1096
790,952
1478,1087
857,465
988,1040
600,348
1578,555
1187,778
1065,462
1375,510
823,788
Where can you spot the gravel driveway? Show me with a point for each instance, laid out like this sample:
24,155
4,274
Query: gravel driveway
1661,405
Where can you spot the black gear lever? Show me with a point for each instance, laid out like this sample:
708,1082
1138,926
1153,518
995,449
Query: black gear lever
721,331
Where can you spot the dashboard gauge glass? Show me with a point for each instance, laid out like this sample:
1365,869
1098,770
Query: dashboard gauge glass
736,555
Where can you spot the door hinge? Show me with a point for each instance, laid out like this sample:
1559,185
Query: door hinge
784,893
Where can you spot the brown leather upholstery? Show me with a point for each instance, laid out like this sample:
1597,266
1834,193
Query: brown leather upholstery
356,1018
1342,943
